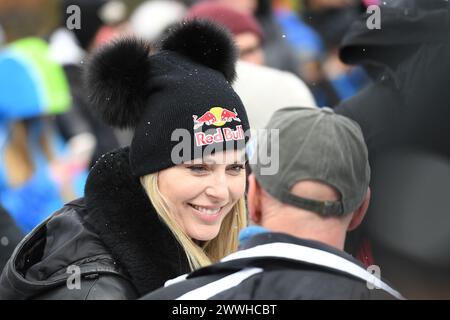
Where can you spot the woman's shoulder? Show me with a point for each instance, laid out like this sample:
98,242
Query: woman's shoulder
59,256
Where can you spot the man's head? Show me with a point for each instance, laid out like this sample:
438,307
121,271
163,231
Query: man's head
321,188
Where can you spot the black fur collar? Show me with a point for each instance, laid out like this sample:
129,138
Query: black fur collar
122,215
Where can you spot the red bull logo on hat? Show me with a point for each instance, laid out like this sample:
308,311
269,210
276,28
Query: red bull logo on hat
216,116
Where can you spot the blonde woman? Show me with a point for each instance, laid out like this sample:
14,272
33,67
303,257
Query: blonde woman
173,200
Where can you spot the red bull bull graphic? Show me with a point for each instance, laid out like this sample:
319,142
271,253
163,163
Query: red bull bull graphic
216,116
228,116
208,118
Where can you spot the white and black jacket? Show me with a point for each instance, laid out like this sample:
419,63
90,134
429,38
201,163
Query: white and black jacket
279,266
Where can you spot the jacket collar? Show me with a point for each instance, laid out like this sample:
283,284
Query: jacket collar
265,250
266,238
122,215
272,237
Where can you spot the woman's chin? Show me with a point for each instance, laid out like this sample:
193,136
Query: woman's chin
206,233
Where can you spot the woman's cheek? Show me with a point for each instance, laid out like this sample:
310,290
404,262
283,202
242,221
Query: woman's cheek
238,187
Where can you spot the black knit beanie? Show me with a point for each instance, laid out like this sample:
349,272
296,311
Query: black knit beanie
178,97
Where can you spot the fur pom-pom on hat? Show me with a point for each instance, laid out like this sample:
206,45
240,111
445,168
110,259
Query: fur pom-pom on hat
117,80
118,75
205,43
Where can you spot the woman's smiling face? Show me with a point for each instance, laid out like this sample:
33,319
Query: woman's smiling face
200,193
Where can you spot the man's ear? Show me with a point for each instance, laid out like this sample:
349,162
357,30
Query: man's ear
254,199
359,214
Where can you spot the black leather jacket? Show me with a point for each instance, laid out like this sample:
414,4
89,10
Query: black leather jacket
39,267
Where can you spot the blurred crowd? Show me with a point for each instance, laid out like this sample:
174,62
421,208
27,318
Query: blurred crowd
311,53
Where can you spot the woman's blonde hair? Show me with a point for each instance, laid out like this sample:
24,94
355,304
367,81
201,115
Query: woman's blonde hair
210,251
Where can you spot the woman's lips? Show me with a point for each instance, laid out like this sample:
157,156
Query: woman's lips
207,214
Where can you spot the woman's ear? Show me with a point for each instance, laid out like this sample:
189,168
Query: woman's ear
254,199
359,214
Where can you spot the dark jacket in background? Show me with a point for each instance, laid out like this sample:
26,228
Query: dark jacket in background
286,271
404,112
113,235
10,236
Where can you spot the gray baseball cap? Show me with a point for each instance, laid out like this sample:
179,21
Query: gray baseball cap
314,144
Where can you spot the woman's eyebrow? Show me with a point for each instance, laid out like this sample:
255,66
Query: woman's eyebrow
236,162
209,161
212,161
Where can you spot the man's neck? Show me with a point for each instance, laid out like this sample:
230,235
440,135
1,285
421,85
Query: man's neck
307,226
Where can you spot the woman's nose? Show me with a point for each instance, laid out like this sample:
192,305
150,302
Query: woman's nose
218,188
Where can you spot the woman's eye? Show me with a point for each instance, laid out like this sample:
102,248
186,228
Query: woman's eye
236,168
198,168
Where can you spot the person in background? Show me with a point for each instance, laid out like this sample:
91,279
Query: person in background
277,51
88,137
246,31
330,80
37,172
263,90
305,41
403,116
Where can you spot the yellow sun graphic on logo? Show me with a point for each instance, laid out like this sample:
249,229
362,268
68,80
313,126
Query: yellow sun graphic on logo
217,111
